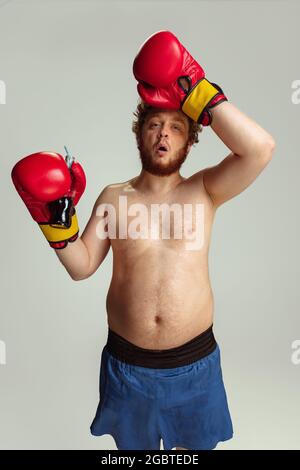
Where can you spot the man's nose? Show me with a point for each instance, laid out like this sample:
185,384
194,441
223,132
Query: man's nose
163,131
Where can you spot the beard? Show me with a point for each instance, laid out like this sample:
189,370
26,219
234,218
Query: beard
158,167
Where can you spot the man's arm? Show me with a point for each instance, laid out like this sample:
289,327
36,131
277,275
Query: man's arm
158,67
83,257
251,150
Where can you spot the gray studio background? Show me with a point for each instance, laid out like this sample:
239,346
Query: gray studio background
67,70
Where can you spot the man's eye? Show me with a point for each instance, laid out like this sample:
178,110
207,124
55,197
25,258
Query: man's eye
153,124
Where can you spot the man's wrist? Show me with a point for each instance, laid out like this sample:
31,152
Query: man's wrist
59,235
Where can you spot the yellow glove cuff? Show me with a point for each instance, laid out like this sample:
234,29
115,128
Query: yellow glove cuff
198,99
57,233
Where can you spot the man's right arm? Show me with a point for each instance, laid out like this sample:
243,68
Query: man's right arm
82,257
51,189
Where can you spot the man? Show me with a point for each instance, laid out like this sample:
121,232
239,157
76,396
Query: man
160,370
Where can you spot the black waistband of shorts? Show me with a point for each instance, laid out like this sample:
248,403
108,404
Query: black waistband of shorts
189,352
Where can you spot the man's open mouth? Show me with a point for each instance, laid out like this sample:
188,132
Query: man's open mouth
162,149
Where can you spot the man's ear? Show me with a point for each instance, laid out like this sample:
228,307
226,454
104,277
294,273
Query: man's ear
189,147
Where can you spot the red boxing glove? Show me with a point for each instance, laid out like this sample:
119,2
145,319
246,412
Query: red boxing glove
170,78
51,190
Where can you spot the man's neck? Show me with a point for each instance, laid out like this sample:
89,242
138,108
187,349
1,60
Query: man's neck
154,185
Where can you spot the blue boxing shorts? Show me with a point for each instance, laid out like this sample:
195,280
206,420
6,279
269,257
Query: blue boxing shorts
176,395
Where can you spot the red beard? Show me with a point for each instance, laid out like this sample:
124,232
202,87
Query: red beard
155,167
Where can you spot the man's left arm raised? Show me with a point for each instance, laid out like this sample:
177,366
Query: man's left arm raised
251,150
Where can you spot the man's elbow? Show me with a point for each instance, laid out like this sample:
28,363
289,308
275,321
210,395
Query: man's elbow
78,277
268,148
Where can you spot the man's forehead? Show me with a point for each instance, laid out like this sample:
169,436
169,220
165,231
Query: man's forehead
174,115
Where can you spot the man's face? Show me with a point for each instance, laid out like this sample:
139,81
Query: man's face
166,129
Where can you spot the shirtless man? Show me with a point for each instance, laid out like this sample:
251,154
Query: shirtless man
160,369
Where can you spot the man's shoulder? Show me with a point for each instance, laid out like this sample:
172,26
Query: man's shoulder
113,190
196,184
196,178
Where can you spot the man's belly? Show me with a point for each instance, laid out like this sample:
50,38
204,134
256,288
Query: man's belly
160,313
